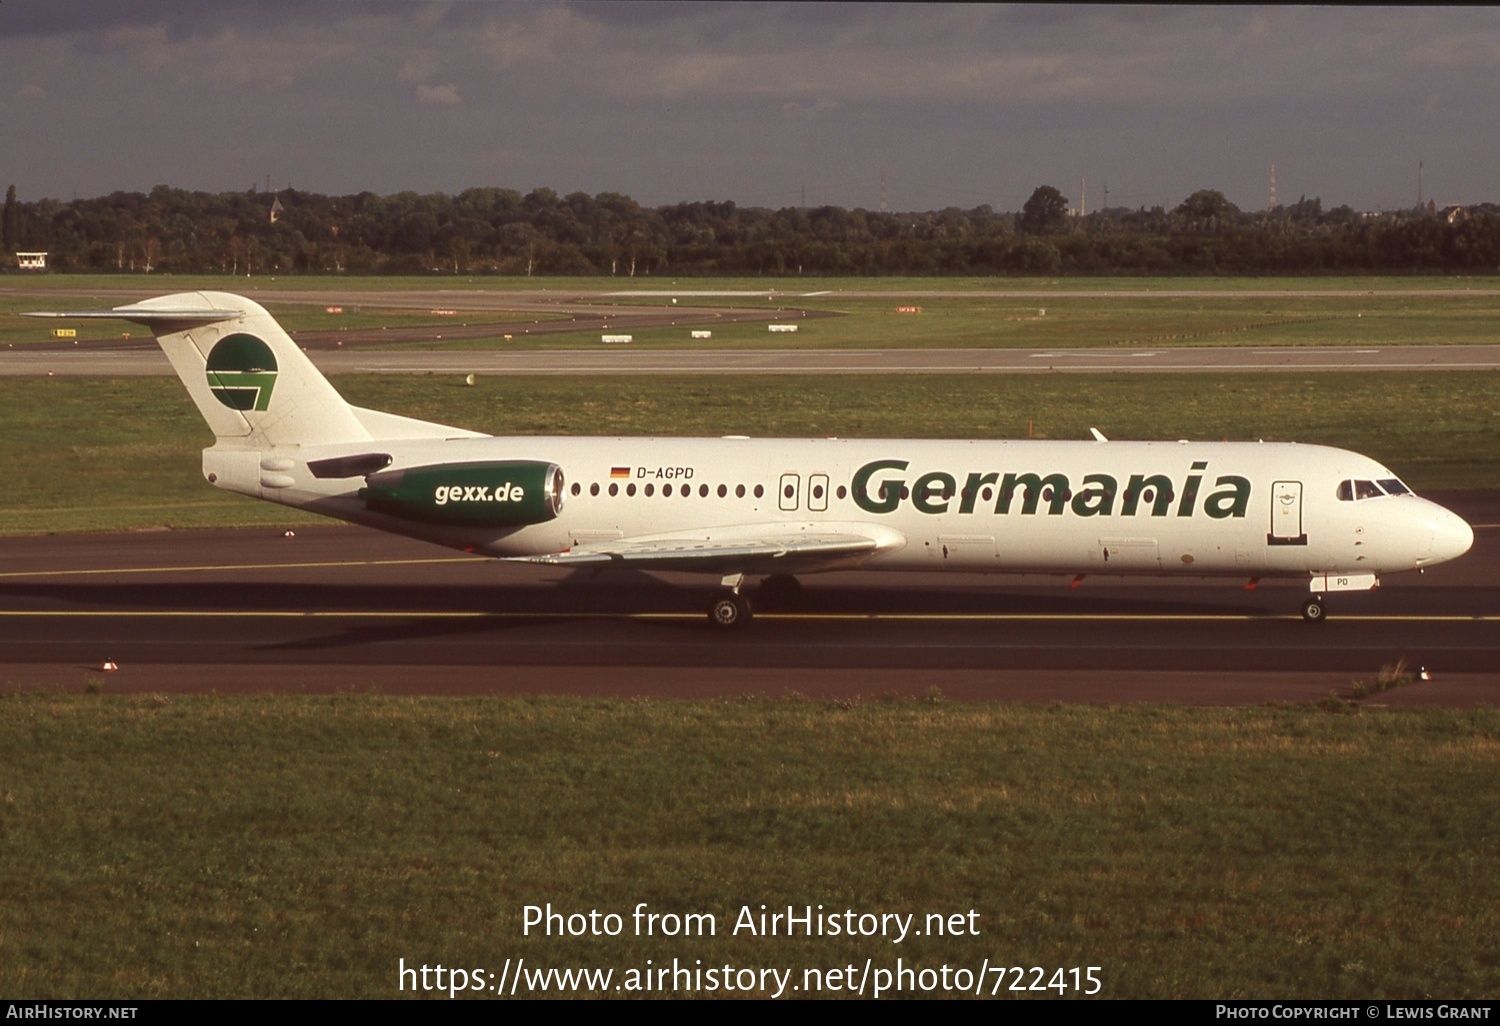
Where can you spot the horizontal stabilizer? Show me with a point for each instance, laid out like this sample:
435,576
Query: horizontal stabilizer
148,315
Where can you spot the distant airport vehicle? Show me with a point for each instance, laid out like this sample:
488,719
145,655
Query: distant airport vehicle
773,508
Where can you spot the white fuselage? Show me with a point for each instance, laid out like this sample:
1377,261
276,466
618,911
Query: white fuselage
1111,507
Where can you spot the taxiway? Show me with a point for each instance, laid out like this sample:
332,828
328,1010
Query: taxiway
343,608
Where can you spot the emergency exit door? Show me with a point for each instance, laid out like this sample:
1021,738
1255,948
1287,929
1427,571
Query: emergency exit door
790,487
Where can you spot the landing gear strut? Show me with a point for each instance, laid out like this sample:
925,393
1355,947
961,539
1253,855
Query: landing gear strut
1313,610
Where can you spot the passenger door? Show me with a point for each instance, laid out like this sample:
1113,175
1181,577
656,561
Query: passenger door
1286,514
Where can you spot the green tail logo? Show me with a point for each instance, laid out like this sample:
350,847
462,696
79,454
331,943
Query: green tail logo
242,372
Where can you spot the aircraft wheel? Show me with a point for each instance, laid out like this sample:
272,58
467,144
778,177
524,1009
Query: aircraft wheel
729,612
780,591
1314,611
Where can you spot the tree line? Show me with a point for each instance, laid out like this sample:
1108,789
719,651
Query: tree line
505,232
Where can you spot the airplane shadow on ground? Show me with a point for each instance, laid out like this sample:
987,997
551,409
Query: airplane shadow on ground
642,594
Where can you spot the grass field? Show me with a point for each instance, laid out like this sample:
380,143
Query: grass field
298,847
1140,322
119,454
16,329
161,283
973,313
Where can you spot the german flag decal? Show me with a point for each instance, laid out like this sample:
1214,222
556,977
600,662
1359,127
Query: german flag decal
618,473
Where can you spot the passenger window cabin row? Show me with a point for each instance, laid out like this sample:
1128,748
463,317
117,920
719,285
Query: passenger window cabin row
703,491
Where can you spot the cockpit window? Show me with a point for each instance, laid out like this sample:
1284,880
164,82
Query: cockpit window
1350,491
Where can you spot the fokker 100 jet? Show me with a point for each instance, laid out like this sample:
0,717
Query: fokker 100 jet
774,508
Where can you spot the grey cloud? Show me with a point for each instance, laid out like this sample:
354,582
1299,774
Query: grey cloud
667,101
181,18
438,94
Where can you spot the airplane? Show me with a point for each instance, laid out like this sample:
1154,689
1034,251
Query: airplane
740,508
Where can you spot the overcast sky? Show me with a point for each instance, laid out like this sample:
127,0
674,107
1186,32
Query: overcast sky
762,104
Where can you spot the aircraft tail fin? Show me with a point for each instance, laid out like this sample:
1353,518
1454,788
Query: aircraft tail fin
249,380
253,385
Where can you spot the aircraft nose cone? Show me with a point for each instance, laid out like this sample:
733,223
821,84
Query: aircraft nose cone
1451,537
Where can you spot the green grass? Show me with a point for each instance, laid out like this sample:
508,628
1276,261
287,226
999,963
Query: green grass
115,454
1366,314
300,317
298,847
248,285
16,329
1136,322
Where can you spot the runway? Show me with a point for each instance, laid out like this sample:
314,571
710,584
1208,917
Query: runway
620,360
338,609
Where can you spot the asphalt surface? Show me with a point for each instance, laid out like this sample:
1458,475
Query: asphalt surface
341,608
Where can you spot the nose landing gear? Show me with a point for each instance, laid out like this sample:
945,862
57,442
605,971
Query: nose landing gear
1314,609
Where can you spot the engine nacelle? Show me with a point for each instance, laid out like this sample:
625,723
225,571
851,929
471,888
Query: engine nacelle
501,493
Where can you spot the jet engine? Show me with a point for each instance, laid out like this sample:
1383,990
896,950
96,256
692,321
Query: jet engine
501,493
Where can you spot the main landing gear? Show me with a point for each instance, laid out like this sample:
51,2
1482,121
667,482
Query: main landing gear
729,611
732,611
779,591
1313,610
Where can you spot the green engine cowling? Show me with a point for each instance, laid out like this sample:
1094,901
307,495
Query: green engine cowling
502,493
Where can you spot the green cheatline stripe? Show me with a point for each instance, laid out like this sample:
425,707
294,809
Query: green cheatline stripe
242,566
333,614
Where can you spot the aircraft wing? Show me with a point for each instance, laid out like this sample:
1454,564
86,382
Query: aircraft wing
746,549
